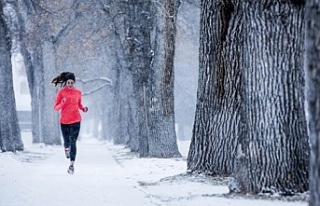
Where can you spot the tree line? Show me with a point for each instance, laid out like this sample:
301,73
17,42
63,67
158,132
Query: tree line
257,71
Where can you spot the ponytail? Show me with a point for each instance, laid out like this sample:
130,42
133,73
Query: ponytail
63,78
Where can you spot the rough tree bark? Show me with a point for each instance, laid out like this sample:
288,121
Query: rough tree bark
10,137
137,49
312,69
161,122
274,151
216,127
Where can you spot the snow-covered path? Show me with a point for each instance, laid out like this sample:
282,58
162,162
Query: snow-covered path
98,180
107,174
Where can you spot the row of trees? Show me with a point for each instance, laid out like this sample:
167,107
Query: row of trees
139,36
250,122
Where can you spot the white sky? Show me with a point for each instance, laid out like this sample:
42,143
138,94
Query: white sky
105,174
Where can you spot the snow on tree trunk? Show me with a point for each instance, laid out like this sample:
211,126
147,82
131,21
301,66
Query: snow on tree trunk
215,133
10,137
152,86
137,49
273,152
313,96
161,124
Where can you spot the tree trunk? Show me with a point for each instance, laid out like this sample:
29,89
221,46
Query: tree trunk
123,107
216,128
10,137
161,123
273,151
37,91
31,50
51,127
122,118
137,49
313,96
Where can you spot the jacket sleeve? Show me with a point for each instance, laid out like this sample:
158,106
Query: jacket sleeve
80,106
58,103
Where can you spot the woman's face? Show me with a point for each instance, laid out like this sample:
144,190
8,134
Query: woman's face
70,83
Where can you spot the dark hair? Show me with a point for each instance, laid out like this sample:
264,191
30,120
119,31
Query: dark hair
63,78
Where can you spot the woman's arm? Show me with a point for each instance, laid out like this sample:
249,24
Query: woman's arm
84,109
59,102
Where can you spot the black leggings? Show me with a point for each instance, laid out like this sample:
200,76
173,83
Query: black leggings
70,134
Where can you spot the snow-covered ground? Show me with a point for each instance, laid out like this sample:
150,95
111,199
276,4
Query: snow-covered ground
107,174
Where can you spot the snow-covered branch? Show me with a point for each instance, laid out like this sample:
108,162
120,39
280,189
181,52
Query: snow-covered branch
95,79
95,90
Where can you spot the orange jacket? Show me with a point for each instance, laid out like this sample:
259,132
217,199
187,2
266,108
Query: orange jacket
70,108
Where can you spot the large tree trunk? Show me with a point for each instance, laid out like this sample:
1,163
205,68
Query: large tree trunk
10,137
273,151
216,128
162,136
313,96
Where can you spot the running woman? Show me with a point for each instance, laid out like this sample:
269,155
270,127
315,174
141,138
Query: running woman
68,102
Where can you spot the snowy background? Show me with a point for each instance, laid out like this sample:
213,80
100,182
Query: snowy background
107,174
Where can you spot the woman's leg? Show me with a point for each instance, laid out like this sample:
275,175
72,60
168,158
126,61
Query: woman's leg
65,128
74,132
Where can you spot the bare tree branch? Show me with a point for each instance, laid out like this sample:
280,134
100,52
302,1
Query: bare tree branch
95,79
95,90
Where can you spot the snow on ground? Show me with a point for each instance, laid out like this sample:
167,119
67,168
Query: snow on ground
107,174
